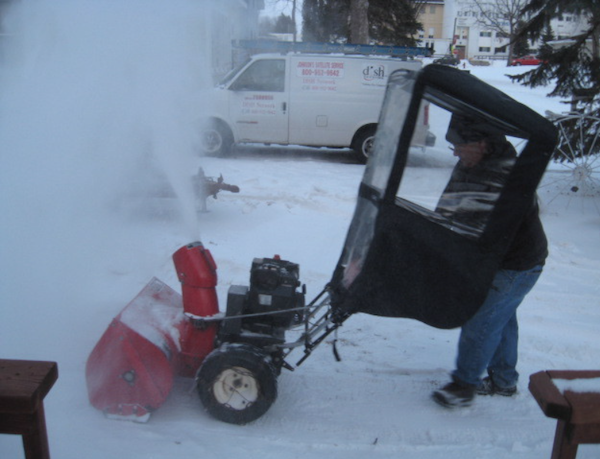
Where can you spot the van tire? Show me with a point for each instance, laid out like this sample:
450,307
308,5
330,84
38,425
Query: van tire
362,144
216,139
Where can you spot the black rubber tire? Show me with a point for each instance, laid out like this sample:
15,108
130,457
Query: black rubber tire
362,144
216,139
223,381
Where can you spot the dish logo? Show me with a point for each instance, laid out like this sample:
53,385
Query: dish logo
374,72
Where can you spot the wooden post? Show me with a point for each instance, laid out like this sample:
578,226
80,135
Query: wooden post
23,386
578,413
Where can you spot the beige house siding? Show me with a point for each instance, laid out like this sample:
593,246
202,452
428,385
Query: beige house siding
432,18
431,15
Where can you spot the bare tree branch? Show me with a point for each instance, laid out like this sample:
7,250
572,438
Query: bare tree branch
502,17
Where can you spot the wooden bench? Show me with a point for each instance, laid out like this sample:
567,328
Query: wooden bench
23,386
578,413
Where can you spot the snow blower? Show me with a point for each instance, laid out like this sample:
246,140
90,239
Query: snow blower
409,252
161,335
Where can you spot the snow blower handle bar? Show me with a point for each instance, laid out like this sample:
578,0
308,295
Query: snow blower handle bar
201,322
316,332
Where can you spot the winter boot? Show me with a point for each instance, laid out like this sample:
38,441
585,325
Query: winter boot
488,387
454,395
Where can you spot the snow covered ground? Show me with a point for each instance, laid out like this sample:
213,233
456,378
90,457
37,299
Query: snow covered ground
77,244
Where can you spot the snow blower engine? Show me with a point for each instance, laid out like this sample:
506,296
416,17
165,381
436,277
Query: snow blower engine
260,314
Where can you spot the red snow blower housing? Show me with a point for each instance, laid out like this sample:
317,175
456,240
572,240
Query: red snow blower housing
428,253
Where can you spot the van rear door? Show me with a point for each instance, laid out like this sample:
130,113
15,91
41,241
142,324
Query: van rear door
259,102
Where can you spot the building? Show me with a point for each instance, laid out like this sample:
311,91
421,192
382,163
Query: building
431,15
232,20
568,25
456,26
469,35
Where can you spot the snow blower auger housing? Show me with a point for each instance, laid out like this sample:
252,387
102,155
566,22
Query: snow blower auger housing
428,251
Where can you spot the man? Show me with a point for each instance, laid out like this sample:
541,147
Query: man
489,340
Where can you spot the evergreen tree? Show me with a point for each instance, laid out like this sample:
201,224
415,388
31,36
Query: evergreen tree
265,26
325,20
574,68
394,22
545,48
281,24
520,44
391,22
284,24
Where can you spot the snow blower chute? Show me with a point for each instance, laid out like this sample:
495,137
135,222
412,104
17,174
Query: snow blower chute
424,251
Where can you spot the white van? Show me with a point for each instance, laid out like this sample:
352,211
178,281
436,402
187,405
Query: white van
324,100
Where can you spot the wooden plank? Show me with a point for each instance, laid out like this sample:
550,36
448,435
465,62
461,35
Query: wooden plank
563,448
585,406
585,433
551,401
24,384
578,413
573,374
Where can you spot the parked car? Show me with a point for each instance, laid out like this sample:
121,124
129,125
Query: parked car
526,60
447,60
317,100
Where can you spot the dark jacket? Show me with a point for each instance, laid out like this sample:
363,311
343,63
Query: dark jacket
469,199
529,247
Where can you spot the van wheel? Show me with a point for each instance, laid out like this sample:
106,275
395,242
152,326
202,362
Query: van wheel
237,383
362,144
216,139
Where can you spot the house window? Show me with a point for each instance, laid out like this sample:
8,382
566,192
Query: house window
484,49
432,9
485,34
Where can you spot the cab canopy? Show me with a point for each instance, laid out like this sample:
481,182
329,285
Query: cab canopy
406,253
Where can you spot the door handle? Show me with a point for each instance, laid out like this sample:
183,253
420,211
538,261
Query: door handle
284,106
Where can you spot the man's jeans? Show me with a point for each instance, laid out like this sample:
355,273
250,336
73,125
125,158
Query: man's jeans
489,340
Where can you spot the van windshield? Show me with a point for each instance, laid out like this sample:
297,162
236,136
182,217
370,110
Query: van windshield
233,72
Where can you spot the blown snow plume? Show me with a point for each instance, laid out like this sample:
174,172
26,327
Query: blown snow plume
99,100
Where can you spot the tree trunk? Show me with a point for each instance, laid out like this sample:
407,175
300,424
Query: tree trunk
596,44
294,20
359,22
